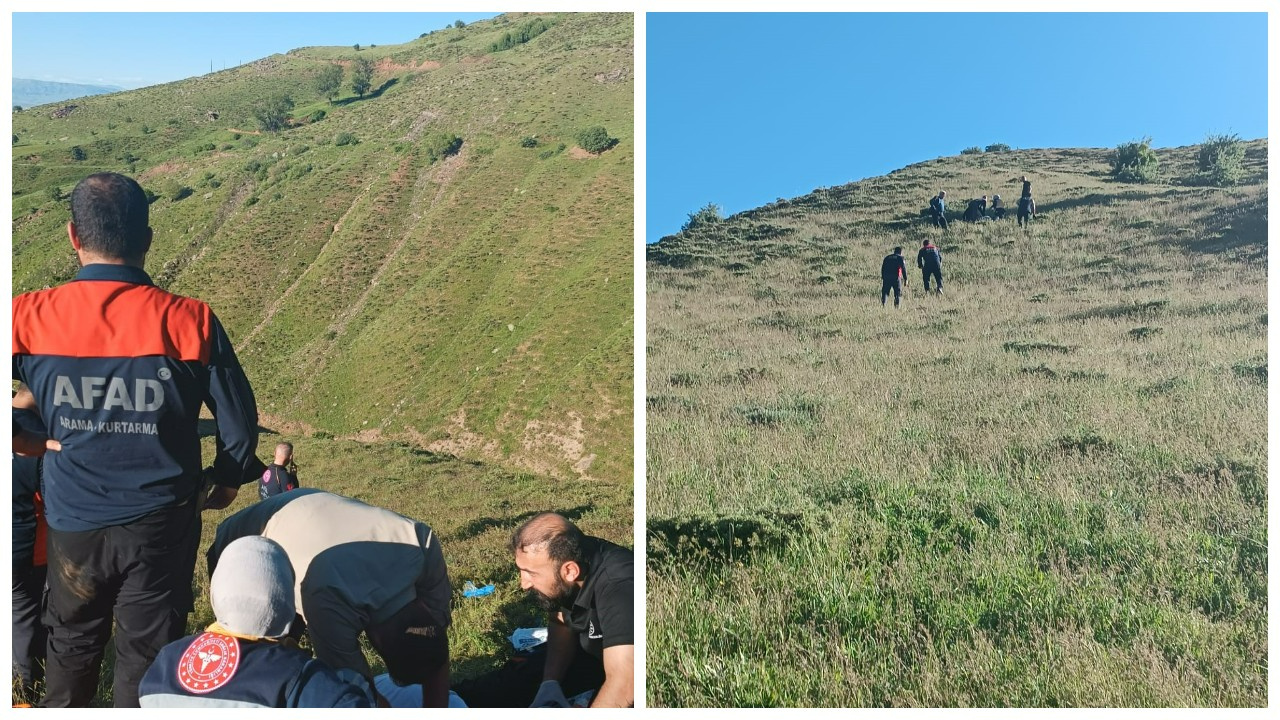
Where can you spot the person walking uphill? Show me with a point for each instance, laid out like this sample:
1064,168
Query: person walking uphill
893,275
118,370
929,260
938,209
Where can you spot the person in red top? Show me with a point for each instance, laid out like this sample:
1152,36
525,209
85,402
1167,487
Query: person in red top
281,476
118,370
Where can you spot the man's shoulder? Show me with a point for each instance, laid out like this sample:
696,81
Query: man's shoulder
617,564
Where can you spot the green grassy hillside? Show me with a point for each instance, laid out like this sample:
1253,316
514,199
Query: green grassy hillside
478,303
448,334
1046,487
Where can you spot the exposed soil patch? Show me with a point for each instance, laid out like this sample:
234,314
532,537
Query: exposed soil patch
163,168
579,154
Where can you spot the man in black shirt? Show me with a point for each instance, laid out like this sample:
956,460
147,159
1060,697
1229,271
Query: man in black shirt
893,273
587,587
929,260
281,476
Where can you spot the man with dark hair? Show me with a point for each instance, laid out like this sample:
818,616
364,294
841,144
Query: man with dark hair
893,275
118,370
929,260
587,586
281,475
976,210
359,569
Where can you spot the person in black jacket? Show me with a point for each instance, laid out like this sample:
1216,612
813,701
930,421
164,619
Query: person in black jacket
29,565
997,208
929,260
893,276
119,370
282,475
976,209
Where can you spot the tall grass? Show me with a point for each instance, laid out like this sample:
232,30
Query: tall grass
1044,488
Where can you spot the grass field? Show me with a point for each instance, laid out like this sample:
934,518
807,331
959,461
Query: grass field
1046,487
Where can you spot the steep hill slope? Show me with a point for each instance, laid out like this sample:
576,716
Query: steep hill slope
377,283
1046,487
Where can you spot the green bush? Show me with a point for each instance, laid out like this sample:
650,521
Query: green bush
710,214
971,150
78,154
55,193
441,145
525,142
328,81
345,138
1221,160
595,140
361,76
998,147
272,114
527,32
1136,162
316,116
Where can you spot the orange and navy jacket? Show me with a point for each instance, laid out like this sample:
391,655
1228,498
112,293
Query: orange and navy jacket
119,369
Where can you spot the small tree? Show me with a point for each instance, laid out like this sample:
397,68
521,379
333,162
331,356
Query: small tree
329,81
273,113
15,139
17,108
971,150
357,47
1221,160
1136,162
361,76
459,24
595,140
710,214
78,154
998,147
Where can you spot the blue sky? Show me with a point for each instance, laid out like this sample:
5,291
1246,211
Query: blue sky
745,108
132,50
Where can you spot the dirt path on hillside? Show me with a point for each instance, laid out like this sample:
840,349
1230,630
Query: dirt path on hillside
244,132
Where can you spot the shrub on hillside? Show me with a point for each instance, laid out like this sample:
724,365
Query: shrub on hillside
971,150
78,154
55,193
328,81
361,76
1221,160
345,138
527,32
998,147
441,145
710,214
272,114
595,140
316,116
1136,162
525,142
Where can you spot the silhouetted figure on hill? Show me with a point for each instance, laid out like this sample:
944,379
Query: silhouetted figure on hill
977,208
938,209
929,260
997,208
1026,210
893,274
1026,187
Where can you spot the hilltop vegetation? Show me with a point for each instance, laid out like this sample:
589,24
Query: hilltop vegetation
400,266
1046,488
439,316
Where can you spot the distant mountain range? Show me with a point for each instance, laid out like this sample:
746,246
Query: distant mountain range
29,93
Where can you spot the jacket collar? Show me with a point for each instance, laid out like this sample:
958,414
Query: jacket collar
116,273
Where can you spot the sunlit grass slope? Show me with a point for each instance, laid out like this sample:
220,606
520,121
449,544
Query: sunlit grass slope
1045,488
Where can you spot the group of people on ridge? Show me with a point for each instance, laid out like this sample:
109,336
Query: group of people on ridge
977,208
108,491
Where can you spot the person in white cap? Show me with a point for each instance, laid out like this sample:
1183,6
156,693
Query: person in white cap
245,659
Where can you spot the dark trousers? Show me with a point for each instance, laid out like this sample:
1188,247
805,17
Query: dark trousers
29,634
998,213
138,574
932,273
940,220
1024,217
894,285
515,684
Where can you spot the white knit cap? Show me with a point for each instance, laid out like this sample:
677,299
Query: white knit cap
252,589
